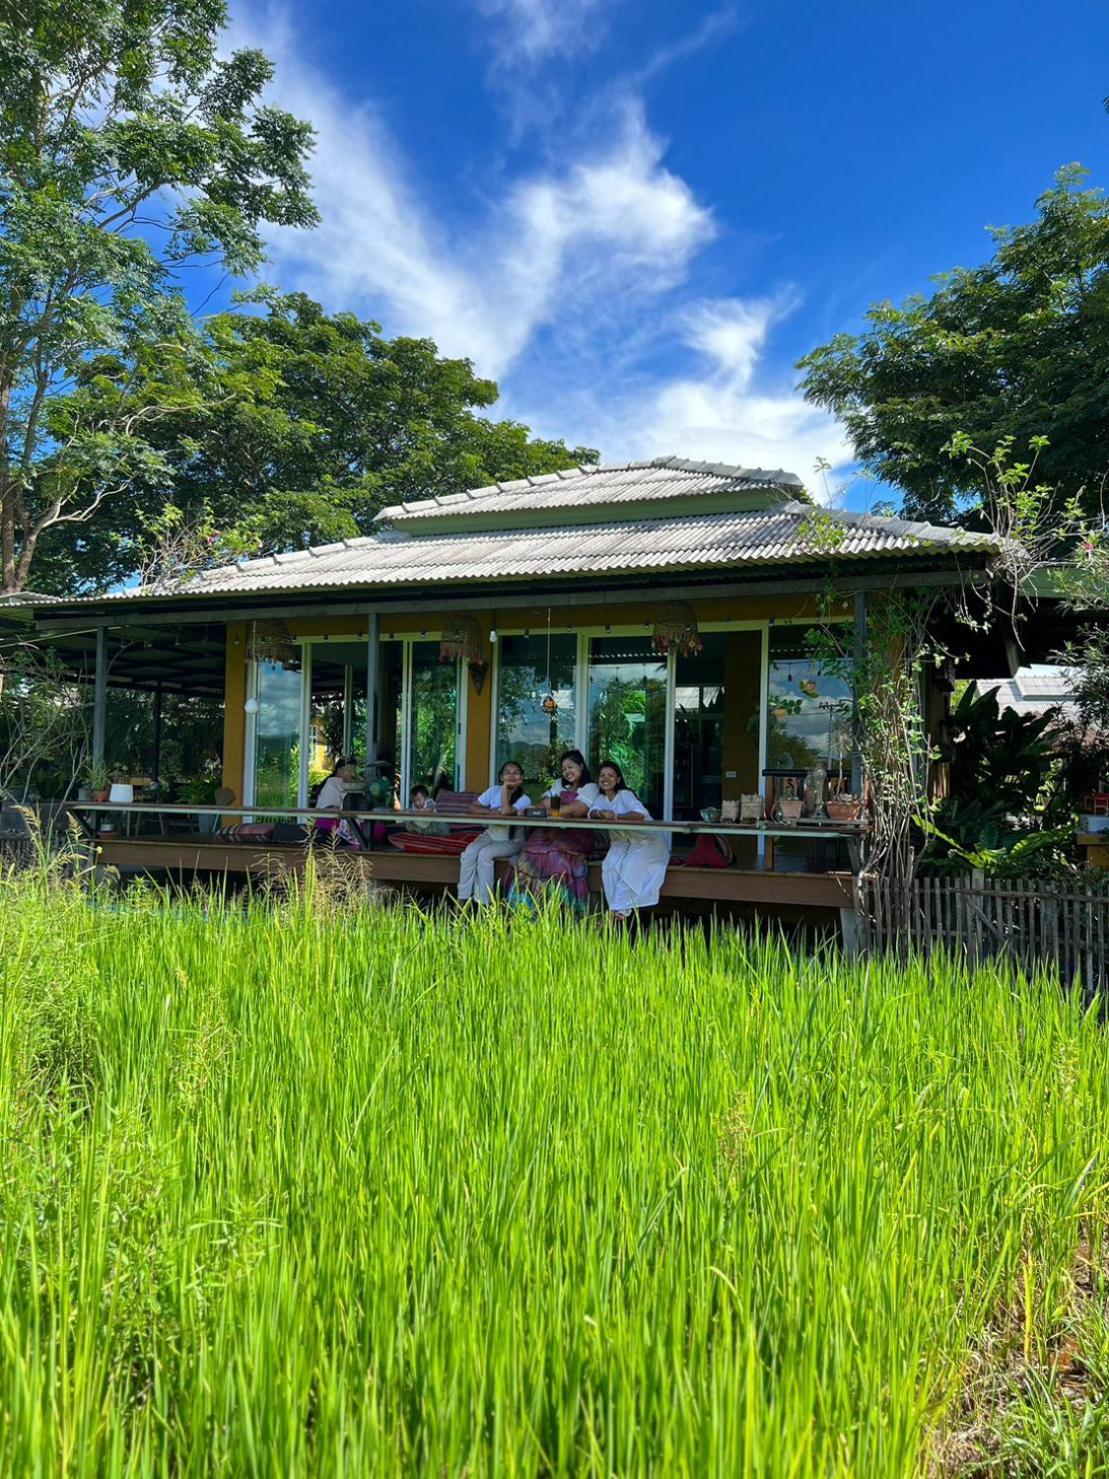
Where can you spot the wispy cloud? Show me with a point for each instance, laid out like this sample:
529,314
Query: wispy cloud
716,25
724,407
570,287
611,221
533,30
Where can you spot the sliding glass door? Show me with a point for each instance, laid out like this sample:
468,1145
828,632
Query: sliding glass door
627,688
433,711
275,763
304,716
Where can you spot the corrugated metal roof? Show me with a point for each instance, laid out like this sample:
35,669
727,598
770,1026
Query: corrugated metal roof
586,487
786,534
1033,693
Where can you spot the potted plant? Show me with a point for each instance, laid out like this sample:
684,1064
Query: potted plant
843,808
200,790
122,792
98,780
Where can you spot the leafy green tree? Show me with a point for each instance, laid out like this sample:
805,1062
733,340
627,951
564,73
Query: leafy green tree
1016,348
310,422
127,149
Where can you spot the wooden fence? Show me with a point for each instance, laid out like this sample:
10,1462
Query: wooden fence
1029,920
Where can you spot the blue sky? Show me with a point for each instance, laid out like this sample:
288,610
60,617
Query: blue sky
636,215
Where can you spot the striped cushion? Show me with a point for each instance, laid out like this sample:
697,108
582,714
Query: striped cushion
247,832
425,845
454,803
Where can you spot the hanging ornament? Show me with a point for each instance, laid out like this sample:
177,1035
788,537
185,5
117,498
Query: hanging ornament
461,639
549,703
272,642
676,631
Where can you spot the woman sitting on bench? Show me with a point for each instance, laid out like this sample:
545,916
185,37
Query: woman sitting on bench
332,794
475,869
635,865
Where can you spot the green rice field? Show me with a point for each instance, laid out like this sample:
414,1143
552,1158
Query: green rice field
299,1189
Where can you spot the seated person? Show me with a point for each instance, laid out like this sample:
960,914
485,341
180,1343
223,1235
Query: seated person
475,868
635,865
420,802
333,793
556,860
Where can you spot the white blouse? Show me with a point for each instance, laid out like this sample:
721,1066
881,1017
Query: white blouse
492,799
333,793
587,794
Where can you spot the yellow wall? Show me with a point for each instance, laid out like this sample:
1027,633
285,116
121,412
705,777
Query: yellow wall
742,698
479,721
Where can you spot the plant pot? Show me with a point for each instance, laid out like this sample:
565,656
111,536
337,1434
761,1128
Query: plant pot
84,793
789,808
122,793
100,796
842,811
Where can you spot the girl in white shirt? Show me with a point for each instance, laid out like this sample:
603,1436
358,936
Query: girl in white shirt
556,859
475,870
342,780
635,864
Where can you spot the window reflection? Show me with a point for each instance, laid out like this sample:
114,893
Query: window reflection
526,732
277,735
627,713
809,707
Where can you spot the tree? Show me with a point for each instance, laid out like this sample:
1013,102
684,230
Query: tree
127,148
1017,348
309,422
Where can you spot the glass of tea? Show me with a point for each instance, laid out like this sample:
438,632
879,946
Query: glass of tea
556,804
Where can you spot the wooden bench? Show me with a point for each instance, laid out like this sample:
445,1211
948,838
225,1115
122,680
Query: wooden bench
184,858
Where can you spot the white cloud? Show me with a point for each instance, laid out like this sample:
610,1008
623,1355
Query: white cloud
717,412
532,30
566,287
612,221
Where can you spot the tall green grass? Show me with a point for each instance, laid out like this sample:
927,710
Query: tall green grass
290,1190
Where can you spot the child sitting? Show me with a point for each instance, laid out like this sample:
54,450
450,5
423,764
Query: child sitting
421,804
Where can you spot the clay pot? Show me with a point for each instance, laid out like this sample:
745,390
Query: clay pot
842,810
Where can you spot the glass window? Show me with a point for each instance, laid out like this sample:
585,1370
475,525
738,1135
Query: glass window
627,713
809,708
526,733
277,735
338,714
699,728
434,717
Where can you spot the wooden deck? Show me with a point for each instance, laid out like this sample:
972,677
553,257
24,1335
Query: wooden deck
185,858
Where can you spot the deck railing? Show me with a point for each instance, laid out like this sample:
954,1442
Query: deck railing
1029,920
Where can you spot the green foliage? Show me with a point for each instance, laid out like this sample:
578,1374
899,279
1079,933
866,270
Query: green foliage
294,1189
994,814
1016,349
308,423
128,147
44,724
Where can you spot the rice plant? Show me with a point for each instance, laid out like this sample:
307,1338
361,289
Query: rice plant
289,1189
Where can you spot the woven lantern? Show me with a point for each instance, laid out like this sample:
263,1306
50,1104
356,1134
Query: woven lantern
676,630
462,640
272,642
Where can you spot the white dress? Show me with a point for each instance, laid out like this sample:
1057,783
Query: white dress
635,864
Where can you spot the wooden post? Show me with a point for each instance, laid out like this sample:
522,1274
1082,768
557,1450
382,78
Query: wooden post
156,744
859,657
100,696
373,683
